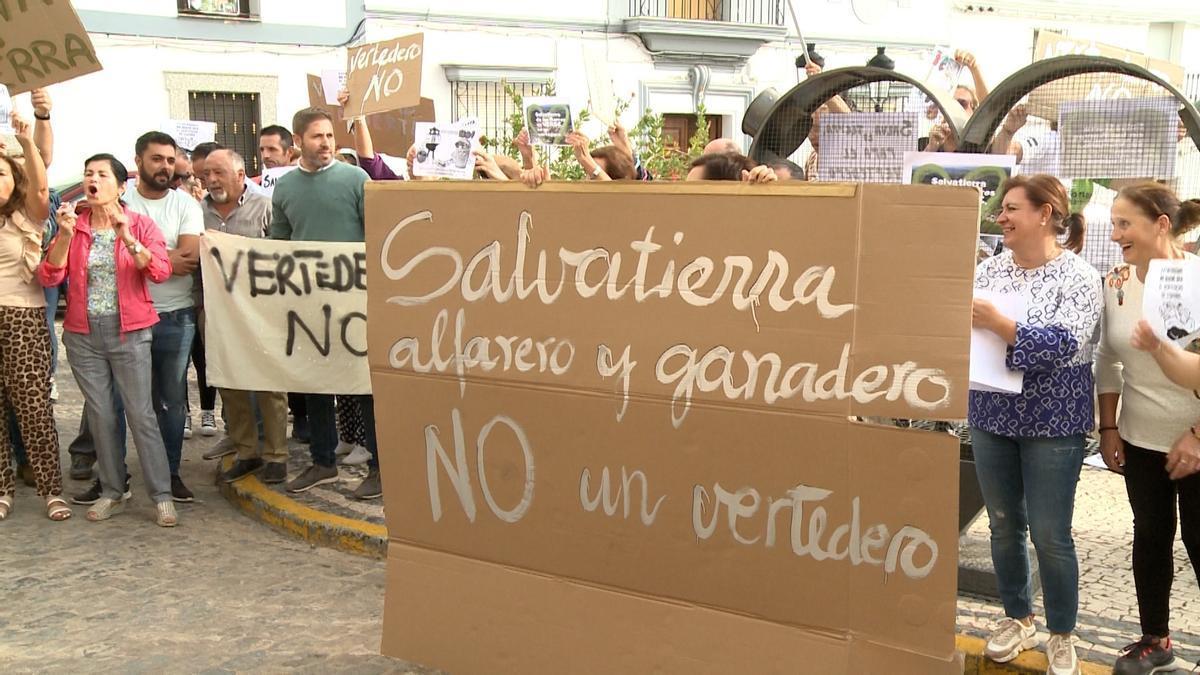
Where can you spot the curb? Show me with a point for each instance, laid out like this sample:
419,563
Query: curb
284,514
317,528
1033,661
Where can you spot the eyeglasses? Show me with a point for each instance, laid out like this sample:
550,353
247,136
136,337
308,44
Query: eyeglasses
182,177
965,103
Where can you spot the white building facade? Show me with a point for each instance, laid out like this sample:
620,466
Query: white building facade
243,63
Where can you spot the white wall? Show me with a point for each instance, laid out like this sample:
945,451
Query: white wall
108,110
568,10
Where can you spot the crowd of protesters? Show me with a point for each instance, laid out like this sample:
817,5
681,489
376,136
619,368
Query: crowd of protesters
126,257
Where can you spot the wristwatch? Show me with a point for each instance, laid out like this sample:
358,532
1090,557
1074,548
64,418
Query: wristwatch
596,172
44,118
135,248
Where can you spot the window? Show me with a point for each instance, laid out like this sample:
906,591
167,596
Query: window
237,118
488,102
218,8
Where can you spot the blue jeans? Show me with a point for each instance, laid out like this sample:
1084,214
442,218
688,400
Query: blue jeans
322,425
169,354
1028,485
52,294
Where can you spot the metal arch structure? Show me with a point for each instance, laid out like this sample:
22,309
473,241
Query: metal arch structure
790,119
979,130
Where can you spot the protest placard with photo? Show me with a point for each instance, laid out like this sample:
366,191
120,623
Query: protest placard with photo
983,171
1171,302
44,43
944,71
384,75
548,120
446,150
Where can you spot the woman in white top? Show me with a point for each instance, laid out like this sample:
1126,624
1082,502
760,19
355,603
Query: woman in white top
24,337
1154,431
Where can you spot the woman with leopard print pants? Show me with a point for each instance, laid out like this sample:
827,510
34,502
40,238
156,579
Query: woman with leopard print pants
24,338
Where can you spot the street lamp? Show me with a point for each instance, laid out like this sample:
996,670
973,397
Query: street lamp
880,88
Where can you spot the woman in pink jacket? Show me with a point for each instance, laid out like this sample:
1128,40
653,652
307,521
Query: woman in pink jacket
110,254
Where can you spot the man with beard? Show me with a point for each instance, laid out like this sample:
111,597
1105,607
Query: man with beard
182,222
231,208
323,201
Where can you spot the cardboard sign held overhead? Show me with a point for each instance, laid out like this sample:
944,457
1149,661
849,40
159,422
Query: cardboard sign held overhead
619,440
384,75
1044,101
392,132
43,43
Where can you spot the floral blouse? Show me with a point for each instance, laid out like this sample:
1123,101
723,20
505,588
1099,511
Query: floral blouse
1054,347
102,274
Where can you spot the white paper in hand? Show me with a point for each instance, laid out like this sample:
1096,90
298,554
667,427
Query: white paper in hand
989,351
332,81
6,112
1171,301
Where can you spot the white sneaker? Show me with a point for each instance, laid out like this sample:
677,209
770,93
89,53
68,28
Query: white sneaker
359,455
343,448
1060,652
187,426
53,390
208,423
1009,639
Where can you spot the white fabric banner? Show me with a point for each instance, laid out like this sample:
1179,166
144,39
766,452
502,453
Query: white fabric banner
285,316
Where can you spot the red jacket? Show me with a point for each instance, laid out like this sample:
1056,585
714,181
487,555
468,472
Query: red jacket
133,290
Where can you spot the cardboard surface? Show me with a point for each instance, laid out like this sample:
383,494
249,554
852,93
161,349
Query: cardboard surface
44,43
392,132
1046,99
384,75
767,520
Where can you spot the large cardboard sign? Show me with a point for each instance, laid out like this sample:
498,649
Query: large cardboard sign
384,75
1046,99
392,132
618,432
42,43
285,316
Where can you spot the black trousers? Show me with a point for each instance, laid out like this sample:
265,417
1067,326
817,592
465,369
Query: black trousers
1153,496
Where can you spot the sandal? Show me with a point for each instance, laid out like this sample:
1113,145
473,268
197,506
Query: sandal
57,509
166,514
6,503
105,508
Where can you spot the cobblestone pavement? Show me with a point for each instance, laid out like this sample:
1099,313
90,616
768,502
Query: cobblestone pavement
223,593
220,593
1108,613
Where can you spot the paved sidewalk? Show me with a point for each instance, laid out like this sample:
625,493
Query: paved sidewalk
1108,613
222,593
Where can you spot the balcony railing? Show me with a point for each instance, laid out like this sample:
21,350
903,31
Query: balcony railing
760,12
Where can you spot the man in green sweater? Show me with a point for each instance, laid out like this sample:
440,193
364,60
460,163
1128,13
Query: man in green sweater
323,201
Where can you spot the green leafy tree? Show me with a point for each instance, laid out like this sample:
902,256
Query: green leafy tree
646,136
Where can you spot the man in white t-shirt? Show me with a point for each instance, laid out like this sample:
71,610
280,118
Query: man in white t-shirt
179,217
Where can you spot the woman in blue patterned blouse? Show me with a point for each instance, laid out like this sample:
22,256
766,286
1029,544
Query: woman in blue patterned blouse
1029,447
